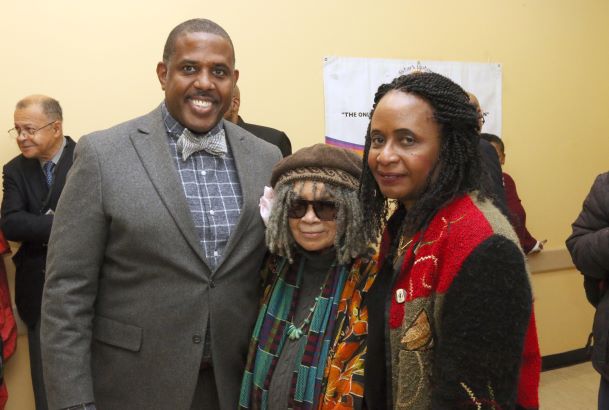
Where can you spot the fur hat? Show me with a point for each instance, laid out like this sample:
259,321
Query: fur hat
319,162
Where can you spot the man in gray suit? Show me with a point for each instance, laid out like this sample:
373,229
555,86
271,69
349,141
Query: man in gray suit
151,289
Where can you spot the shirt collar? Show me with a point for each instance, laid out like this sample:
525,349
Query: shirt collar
57,155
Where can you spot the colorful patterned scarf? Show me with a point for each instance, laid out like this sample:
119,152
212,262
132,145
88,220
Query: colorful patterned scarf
332,361
270,334
343,384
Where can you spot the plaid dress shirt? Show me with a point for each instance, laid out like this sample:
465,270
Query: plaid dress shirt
212,190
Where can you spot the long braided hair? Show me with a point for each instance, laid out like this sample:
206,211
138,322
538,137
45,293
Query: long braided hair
458,169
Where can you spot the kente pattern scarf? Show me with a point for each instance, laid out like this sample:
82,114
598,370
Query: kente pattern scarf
343,383
270,335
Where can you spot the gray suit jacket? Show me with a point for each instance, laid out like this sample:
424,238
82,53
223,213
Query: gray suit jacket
128,292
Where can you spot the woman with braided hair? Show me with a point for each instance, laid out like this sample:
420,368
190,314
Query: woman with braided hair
308,346
450,305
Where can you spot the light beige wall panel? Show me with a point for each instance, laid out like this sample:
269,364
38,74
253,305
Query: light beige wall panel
99,58
18,381
564,316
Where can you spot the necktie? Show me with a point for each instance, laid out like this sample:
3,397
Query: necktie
48,168
189,143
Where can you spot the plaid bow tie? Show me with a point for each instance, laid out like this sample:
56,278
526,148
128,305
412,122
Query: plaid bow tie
189,143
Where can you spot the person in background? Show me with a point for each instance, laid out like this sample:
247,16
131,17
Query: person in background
8,327
491,168
33,182
473,100
152,284
589,248
449,308
517,215
528,388
275,137
309,343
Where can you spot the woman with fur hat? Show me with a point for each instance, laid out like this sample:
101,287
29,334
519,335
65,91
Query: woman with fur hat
308,346
450,306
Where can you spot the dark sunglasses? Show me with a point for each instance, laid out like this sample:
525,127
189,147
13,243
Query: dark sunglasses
325,210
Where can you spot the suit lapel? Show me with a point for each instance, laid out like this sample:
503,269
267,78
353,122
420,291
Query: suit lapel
247,180
150,143
63,166
34,178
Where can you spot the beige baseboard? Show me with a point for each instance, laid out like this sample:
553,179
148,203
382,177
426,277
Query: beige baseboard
550,260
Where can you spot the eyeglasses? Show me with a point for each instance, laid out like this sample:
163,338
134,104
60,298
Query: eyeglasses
325,210
29,132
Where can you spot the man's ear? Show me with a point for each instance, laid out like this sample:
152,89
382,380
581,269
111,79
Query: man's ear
58,129
161,72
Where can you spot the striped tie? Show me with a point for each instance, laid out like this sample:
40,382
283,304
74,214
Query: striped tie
47,168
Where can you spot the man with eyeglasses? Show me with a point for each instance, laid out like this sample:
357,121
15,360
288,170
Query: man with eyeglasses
32,183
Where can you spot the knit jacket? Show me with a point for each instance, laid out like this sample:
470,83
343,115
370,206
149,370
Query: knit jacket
453,313
8,327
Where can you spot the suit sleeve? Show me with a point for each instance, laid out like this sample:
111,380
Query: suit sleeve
589,242
75,256
482,326
518,215
492,175
18,223
285,145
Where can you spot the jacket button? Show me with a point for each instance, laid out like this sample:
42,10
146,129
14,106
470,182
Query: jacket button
212,284
196,339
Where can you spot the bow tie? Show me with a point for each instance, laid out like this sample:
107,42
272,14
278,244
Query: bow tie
189,143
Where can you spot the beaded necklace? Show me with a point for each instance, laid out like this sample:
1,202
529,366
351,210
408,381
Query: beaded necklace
295,332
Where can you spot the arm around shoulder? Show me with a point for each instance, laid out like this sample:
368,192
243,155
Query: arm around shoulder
275,155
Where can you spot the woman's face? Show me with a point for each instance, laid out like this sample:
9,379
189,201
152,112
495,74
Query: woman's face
405,145
313,231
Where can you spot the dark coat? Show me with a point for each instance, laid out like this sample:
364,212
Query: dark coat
25,204
589,248
275,137
589,242
492,177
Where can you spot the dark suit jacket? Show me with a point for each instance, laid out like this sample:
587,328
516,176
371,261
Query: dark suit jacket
24,205
275,137
129,295
492,176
